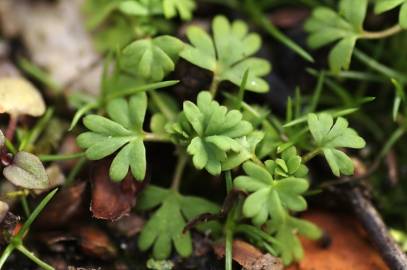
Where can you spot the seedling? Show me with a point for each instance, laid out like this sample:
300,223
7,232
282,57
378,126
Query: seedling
228,53
217,137
326,26
16,241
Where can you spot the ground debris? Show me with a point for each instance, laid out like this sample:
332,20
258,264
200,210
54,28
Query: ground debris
249,257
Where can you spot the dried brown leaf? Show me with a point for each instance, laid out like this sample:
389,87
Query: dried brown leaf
111,200
64,207
95,242
249,257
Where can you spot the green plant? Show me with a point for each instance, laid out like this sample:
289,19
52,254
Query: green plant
16,241
385,5
227,55
326,26
166,225
218,135
210,131
151,58
329,136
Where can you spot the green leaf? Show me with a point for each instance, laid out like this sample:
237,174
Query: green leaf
231,58
286,233
341,54
212,132
133,8
183,7
151,58
27,171
289,165
386,5
329,136
326,26
165,227
354,11
248,149
269,197
122,131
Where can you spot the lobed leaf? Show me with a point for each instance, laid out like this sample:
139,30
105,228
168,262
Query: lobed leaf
228,53
213,132
165,227
329,136
269,197
151,58
326,26
122,131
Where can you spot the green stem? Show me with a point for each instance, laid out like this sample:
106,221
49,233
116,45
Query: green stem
229,231
213,88
379,67
382,34
6,253
26,208
81,112
256,160
139,89
162,106
179,169
229,181
75,170
47,158
153,137
263,21
34,258
33,135
310,155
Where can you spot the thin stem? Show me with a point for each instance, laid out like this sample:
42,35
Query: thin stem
254,11
154,137
256,160
10,147
47,158
18,193
81,112
75,170
162,106
26,208
12,126
213,88
379,67
139,89
179,170
6,253
34,215
382,34
34,258
310,155
229,231
32,136
229,182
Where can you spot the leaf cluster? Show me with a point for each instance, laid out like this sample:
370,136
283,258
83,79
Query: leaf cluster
329,136
344,27
164,228
228,54
151,58
122,130
211,131
273,188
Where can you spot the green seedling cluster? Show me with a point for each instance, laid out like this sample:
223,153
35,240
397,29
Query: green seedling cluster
219,137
